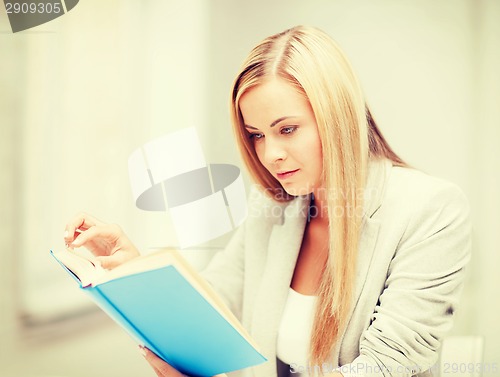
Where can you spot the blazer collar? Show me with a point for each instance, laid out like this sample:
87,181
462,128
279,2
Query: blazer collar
378,171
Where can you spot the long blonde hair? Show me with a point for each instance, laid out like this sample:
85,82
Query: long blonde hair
312,62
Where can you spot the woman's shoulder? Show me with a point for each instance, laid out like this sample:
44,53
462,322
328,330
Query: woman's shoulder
415,182
415,189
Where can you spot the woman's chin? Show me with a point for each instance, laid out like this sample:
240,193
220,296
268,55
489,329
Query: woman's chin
296,190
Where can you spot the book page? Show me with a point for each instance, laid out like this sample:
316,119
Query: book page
84,268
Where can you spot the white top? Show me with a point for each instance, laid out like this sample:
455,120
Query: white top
295,330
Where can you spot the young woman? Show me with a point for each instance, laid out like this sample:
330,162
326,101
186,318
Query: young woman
350,262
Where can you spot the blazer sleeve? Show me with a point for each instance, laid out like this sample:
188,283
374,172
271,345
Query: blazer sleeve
422,289
225,272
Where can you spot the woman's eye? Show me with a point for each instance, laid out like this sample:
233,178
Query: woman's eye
255,136
288,130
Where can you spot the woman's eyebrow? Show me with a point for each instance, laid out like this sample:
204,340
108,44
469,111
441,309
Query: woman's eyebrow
274,123
279,120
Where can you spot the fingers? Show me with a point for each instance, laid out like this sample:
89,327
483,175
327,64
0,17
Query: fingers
162,368
79,223
106,234
107,242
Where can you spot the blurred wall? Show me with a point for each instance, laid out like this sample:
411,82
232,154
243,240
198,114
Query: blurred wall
485,177
10,114
77,95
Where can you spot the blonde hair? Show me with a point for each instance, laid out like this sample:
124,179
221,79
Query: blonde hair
313,63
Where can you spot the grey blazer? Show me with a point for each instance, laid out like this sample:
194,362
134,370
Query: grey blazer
414,245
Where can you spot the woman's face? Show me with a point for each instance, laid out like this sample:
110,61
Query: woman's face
284,132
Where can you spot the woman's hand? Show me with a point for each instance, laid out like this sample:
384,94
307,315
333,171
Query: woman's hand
161,368
106,241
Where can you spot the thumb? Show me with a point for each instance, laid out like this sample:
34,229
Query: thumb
111,261
162,368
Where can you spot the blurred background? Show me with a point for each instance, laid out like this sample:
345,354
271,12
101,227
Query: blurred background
79,94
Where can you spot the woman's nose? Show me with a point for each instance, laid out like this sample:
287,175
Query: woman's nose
274,151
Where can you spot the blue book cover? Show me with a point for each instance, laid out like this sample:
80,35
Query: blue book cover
168,308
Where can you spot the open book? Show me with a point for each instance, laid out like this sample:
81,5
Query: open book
169,308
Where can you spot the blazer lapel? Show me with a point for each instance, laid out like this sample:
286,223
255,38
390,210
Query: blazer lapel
374,191
284,244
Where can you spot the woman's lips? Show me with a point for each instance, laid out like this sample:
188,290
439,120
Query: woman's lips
287,174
